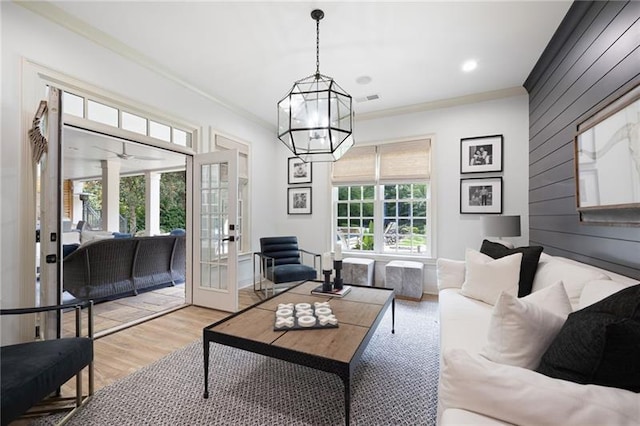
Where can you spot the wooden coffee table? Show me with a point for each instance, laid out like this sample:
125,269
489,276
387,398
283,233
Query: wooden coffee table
335,350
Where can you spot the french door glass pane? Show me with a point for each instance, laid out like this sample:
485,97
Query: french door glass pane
214,225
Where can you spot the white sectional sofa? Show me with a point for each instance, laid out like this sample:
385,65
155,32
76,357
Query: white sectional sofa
476,391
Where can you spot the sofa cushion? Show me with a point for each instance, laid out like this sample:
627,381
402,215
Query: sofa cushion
486,278
33,370
450,273
121,235
596,290
524,397
464,322
88,236
574,277
67,249
520,332
596,344
528,266
458,417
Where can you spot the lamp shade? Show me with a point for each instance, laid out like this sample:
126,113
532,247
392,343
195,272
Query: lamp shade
500,226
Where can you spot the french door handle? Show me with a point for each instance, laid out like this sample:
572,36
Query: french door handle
230,238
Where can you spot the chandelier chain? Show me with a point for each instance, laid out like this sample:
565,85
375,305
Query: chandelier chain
317,48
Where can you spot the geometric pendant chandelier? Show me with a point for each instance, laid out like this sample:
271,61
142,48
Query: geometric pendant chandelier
315,119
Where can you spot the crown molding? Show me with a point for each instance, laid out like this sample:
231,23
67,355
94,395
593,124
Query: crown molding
444,103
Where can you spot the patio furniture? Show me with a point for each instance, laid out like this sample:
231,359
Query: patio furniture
112,267
33,370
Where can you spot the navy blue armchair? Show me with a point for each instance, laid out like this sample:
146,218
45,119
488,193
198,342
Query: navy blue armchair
281,261
32,371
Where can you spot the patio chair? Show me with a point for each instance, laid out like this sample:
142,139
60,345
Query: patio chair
281,261
32,371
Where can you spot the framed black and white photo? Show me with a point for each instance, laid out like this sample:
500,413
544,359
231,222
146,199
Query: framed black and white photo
481,195
299,200
299,171
481,154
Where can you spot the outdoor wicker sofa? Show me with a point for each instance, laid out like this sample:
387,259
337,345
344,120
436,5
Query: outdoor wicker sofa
105,268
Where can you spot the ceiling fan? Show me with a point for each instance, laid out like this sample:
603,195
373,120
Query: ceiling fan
124,156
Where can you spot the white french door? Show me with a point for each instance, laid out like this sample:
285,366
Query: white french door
215,214
49,216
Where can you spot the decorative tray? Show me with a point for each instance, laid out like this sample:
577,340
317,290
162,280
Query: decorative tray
304,316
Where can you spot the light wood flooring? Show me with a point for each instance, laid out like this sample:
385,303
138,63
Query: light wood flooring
119,354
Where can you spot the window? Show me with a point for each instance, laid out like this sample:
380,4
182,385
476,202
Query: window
134,123
100,112
381,198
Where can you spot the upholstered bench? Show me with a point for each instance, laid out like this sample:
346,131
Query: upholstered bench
405,278
359,271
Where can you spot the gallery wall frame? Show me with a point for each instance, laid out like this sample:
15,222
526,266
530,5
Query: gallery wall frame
607,164
481,195
299,171
480,154
299,200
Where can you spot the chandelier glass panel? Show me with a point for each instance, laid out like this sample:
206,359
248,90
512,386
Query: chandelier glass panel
315,119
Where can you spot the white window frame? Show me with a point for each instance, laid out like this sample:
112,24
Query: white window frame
378,218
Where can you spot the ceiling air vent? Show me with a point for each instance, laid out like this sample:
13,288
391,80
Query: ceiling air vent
367,98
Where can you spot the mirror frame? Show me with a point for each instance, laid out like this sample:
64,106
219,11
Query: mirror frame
622,214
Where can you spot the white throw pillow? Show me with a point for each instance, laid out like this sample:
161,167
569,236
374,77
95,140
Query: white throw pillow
524,397
572,275
88,236
520,332
486,278
553,298
450,273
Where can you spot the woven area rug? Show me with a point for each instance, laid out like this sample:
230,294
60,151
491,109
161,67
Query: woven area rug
394,384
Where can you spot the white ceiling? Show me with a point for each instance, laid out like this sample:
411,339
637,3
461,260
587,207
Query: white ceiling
84,151
246,55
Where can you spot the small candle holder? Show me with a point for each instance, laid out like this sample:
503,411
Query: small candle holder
337,281
326,285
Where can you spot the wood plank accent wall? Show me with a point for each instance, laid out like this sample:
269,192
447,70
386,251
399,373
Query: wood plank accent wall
592,59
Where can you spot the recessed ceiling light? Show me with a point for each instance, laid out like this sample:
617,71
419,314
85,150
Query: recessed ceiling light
365,79
469,65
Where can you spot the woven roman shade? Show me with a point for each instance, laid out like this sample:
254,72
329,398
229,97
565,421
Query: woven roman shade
358,165
405,161
399,161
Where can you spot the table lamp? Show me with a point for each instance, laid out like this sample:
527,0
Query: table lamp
501,226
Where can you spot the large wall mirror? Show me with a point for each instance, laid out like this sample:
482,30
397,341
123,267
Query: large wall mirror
607,160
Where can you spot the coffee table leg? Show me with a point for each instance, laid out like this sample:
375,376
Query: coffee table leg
206,368
393,316
347,399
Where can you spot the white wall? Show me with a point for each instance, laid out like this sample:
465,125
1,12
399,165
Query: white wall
454,231
509,117
26,35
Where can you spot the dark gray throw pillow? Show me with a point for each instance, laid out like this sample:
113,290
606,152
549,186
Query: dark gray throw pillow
599,344
528,265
